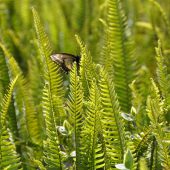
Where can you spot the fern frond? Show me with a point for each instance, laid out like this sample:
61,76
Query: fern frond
87,72
120,60
93,149
8,156
143,164
52,155
4,77
39,164
163,76
44,42
112,124
6,101
26,115
141,141
4,81
156,113
52,73
75,104
140,92
154,104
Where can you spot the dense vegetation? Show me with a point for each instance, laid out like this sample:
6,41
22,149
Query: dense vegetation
113,112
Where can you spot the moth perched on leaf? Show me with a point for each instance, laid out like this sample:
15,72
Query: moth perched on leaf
65,60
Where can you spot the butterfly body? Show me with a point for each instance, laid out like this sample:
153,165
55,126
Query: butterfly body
65,60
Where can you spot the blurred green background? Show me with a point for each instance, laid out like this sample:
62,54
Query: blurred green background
65,18
147,22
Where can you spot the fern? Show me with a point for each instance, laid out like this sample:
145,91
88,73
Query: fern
27,119
4,78
52,155
155,113
112,124
163,77
93,149
52,72
87,71
3,85
141,142
9,158
75,104
56,123
143,165
140,92
120,61
6,101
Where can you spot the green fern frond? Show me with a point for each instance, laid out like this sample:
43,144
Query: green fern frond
39,164
4,81
75,111
52,155
4,77
52,72
44,42
140,92
140,145
143,164
27,118
87,72
120,60
163,76
156,112
8,156
6,101
155,104
112,124
93,149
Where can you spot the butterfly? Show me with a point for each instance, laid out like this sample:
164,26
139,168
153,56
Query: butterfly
65,60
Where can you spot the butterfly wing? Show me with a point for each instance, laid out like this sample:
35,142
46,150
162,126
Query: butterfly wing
68,62
65,60
57,58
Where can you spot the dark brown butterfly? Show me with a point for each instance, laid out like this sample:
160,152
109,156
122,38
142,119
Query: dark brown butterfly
65,60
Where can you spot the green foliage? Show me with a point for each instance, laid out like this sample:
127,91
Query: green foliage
9,158
156,112
163,77
51,143
120,61
111,111
111,120
95,156
23,100
75,109
52,75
